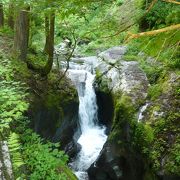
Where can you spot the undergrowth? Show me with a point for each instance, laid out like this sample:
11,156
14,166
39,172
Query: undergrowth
32,157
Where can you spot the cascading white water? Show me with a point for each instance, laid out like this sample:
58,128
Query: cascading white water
93,136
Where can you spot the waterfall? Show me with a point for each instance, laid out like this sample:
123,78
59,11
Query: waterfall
142,110
93,136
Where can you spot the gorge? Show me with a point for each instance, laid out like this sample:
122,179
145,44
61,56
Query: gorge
89,90
92,137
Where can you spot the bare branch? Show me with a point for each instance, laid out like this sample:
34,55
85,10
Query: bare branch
70,55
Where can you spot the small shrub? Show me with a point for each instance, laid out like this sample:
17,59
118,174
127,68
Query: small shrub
119,2
6,31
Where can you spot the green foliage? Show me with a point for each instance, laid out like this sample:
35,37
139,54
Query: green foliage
15,151
91,25
157,140
38,60
153,72
43,160
173,162
124,108
161,146
143,137
162,14
164,48
12,94
6,31
20,69
154,91
97,23
102,82
119,2
12,107
124,114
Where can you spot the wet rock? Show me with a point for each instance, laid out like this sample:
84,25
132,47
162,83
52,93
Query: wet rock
89,63
142,111
61,51
62,48
72,149
163,109
51,124
68,126
54,111
105,109
83,42
158,114
113,164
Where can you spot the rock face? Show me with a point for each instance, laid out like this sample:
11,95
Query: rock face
105,109
54,115
164,109
118,161
52,124
113,164
119,158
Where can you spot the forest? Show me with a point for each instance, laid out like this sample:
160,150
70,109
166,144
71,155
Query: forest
89,89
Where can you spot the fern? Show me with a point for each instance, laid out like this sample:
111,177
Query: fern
15,151
12,107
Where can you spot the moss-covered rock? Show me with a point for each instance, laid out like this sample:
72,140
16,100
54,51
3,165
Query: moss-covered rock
162,115
152,143
119,159
54,108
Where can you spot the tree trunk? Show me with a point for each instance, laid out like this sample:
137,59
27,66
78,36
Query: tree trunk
46,47
21,34
50,46
11,16
1,15
6,171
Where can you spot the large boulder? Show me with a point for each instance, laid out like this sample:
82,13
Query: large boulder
125,76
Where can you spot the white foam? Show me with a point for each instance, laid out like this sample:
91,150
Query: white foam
93,136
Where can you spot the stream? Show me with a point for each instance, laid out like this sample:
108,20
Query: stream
93,136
